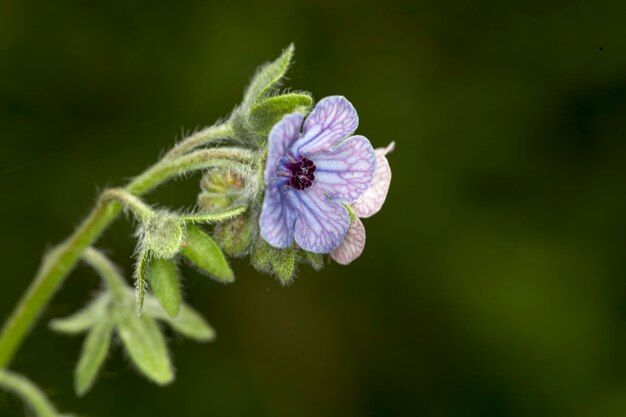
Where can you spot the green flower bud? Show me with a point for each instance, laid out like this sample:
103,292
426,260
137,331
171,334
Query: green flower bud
220,189
234,236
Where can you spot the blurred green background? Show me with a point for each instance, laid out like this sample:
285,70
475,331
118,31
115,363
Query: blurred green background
493,282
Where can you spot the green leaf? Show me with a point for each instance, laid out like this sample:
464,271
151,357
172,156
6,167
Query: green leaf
95,349
189,322
202,250
29,393
145,345
267,78
268,112
140,278
163,278
81,321
314,260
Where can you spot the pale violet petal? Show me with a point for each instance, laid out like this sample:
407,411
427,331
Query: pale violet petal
282,135
374,198
277,218
345,173
333,119
352,245
321,223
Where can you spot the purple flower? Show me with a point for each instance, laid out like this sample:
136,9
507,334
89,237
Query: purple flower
309,176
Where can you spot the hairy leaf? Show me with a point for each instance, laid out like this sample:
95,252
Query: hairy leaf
145,345
95,349
163,278
140,278
267,78
268,112
81,321
189,322
203,252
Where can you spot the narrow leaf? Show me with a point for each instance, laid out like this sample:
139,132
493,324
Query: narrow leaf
81,321
95,349
268,112
268,77
29,393
189,322
140,278
163,278
146,347
202,250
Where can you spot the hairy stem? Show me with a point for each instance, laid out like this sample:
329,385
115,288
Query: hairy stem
201,138
61,261
140,209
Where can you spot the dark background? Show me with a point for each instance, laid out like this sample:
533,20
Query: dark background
493,282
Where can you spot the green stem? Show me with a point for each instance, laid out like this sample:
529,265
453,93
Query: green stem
61,261
107,271
201,138
140,209
28,392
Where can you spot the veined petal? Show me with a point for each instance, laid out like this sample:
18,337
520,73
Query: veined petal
321,223
374,198
333,119
277,218
345,173
282,135
352,245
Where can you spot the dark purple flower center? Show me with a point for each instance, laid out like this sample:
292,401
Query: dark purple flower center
301,173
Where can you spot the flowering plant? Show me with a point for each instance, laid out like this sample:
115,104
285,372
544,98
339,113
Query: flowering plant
284,182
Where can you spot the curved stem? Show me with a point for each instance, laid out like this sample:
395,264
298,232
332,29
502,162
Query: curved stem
61,261
28,392
140,209
201,138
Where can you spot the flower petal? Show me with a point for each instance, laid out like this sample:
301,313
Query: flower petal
346,172
374,198
333,119
352,245
277,218
321,223
282,135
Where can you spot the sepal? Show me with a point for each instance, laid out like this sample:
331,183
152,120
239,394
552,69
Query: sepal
281,263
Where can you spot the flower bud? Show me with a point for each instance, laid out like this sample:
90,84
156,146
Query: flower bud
220,189
234,236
